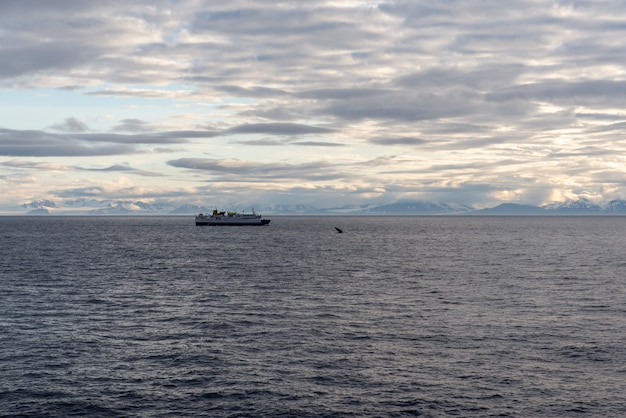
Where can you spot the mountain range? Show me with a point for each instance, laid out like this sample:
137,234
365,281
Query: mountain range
405,207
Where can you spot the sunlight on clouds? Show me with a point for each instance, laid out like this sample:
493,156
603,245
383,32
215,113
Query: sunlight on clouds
549,108
145,93
28,184
186,37
137,31
508,195
43,166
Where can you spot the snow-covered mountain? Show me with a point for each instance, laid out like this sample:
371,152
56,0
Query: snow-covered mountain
404,207
511,209
188,209
573,207
615,206
121,207
407,207
286,209
40,204
581,206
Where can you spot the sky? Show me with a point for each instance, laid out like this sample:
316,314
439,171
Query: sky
320,103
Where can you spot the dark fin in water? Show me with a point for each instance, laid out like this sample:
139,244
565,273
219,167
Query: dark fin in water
339,230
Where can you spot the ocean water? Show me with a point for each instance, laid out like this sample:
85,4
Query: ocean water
398,316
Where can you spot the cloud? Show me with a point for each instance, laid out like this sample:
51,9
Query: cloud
317,144
72,125
121,168
132,125
39,144
578,92
91,191
78,143
254,92
403,106
42,143
277,129
461,100
140,93
49,167
239,170
289,141
24,60
37,165
398,140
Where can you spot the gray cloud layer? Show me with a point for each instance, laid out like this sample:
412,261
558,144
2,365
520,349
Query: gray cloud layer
523,96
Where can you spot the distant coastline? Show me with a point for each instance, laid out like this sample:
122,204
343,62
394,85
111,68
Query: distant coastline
399,208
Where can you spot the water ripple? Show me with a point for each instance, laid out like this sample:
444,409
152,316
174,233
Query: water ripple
395,317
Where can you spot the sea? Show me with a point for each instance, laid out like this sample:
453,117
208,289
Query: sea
395,317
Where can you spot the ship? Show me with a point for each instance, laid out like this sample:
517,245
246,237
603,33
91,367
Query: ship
231,219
